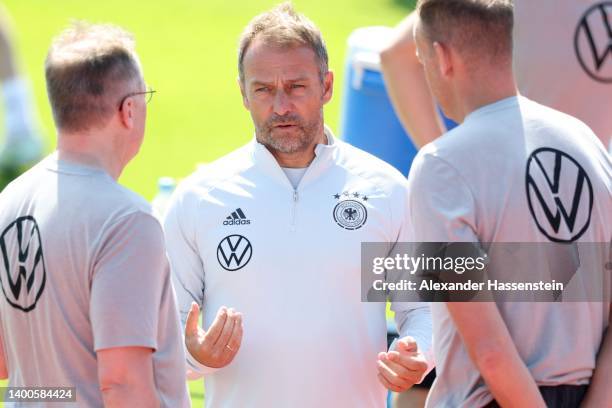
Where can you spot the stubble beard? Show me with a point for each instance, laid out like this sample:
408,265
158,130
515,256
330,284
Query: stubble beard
294,140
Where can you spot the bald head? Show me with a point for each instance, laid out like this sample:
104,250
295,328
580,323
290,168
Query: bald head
480,30
88,68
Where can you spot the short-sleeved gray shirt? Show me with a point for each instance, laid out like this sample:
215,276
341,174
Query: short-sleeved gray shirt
470,186
83,268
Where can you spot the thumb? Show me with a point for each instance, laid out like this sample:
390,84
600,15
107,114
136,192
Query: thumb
407,344
193,318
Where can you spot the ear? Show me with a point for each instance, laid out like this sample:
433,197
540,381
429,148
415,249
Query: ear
328,86
444,58
127,113
245,100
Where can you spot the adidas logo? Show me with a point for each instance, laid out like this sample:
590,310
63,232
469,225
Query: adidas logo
236,218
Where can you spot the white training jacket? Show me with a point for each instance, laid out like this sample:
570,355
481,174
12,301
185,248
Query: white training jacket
239,235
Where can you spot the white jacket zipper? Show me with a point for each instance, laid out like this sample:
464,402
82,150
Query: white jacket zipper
294,210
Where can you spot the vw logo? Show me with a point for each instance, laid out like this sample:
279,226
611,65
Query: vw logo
593,42
22,270
234,252
559,194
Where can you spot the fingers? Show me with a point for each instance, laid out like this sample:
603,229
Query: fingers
387,384
218,346
235,340
412,376
227,330
399,371
407,344
391,380
193,317
415,362
215,329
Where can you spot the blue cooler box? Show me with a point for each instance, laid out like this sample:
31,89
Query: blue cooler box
368,120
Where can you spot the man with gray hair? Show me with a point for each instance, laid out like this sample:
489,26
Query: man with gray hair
87,297
274,231
512,171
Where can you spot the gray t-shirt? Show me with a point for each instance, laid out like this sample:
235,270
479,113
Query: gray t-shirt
294,175
470,186
562,58
83,268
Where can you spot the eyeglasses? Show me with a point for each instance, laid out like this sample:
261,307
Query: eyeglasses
148,95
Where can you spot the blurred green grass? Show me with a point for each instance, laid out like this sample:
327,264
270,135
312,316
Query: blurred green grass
188,50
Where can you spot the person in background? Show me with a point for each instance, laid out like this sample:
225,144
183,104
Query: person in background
22,145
